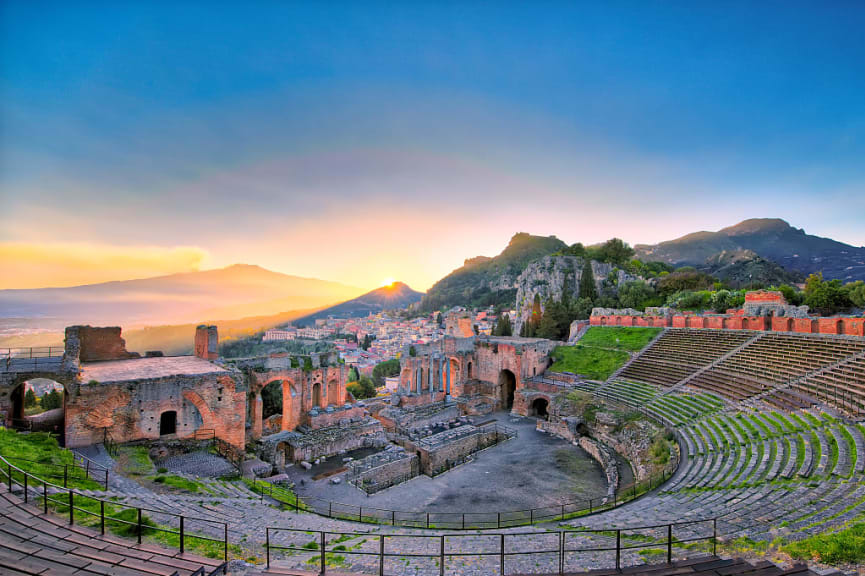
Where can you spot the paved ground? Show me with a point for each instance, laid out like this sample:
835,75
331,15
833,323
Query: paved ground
518,474
137,368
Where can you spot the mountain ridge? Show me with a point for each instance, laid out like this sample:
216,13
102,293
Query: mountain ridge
772,239
236,291
393,296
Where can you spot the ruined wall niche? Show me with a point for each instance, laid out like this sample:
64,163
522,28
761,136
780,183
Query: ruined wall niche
207,342
94,344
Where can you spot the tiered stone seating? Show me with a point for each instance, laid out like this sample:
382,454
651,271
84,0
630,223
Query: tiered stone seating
774,360
842,386
32,544
679,353
629,392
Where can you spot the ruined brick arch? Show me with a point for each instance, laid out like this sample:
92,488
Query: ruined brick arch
333,392
455,374
407,376
289,391
207,418
539,406
507,388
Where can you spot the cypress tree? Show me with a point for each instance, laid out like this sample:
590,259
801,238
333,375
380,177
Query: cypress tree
587,282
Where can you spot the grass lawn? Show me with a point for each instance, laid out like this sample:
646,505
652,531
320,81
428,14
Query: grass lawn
595,363
39,454
619,337
845,546
134,461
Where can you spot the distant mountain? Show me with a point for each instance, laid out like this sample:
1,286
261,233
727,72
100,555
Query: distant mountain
395,296
234,292
744,268
770,238
172,340
482,281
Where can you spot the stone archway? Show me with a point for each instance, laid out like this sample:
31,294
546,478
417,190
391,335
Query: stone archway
539,407
469,375
507,388
39,404
316,395
333,398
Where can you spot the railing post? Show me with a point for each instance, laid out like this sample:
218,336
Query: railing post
102,521
10,477
65,474
25,487
225,549
393,517
669,543
87,469
427,519
498,519
531,515
563,512
618,549
182,531
561,552
267,545
590,505
330,509
106,479
71,509
381,555
139,525
323,563
360,514
45,496
714,536
442,555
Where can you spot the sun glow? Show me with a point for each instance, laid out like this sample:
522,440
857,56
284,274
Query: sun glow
388,283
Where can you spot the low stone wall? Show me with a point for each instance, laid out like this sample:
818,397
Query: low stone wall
329,441
440,452
606,458
383,470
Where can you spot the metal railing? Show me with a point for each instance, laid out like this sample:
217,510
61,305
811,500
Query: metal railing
85,470
63,500
22,358
559,546
460,520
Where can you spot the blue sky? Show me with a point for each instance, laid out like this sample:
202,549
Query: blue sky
363,140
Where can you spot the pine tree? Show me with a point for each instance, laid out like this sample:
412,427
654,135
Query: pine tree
29,398
587,282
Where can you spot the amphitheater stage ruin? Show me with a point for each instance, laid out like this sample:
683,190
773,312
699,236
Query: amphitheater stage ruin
532,470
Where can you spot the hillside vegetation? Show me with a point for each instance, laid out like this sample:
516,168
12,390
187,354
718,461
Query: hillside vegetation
485,281
601,351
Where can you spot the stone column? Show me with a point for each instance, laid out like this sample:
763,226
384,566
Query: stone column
448,378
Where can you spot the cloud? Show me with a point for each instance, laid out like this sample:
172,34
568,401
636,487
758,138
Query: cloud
37,265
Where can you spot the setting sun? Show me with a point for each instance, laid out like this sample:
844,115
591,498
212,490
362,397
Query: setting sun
388,282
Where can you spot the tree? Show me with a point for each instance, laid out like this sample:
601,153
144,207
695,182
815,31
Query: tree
439,319
503,326
367,341
29,398
825,297
386,369
52,400
615,251
363,388
635,294
412,351
856,293
722,300
353,375
587,282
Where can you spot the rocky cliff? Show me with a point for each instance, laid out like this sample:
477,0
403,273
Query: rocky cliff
546,276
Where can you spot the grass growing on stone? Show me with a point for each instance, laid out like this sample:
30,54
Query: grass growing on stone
843,547
39,454
179,482
134,461
620,337
595,363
